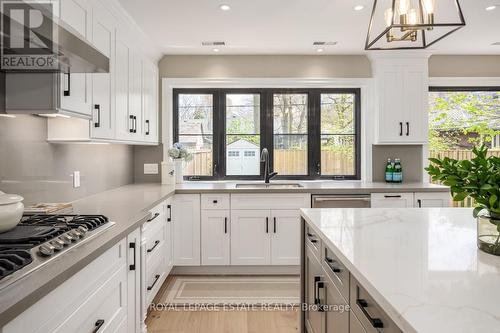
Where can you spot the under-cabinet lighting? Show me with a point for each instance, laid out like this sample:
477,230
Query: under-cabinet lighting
53,115
7,115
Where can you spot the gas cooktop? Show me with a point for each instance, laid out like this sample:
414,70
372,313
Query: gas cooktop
39,238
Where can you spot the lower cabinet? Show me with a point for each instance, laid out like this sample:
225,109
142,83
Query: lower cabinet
215,237
250,240
312,281
134,314
186,220
427,200
410,200
285,233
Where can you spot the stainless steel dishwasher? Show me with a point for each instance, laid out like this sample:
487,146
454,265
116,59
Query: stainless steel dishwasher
341,201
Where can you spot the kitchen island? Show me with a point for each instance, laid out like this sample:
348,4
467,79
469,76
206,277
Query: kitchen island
410,270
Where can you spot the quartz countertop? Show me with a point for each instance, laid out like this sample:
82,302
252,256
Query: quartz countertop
420,264
314,187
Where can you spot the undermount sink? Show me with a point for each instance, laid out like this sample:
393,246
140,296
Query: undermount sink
264,186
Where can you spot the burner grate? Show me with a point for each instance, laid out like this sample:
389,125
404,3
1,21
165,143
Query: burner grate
13,259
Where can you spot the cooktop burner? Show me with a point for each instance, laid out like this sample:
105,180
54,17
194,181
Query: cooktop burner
38,237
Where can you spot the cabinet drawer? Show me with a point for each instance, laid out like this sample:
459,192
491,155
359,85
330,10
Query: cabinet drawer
313,241
270,201
154,221
369,313
215,201
155,240
392,200
337,272
155,275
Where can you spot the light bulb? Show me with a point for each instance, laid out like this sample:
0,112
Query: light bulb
404,6
429,6
412,16
388,17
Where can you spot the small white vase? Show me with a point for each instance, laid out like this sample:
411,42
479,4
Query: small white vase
179,176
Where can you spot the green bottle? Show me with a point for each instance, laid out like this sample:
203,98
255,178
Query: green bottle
389,170
397,176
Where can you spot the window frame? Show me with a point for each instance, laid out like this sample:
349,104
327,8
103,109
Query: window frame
267,129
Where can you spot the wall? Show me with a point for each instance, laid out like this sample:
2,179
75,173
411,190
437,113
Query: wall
411,159
40,171
464,66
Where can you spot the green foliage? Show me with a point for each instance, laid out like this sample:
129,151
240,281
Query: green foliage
478,178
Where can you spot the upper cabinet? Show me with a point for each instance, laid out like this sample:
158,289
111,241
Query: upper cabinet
402,91
122,105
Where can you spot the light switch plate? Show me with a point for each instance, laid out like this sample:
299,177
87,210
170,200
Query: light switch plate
76,179
150,168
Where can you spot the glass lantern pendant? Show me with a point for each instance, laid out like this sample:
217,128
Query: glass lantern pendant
412,24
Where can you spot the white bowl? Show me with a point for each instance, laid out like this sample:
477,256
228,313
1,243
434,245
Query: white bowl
11,211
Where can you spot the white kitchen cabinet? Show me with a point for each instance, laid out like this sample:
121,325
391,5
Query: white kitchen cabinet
169,236
135,95
134,318
215,237
103,104
186,220
392,200
124,124
150,102
250,241
96,295
75,94
402,92
285,237
429,199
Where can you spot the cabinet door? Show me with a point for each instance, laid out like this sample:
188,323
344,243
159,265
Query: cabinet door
285,237
312,276
76,87
215,237
390,90
416,97
250,240
135,95
186,218
169,237
426,200
133,282
392,200
103,38
124,125
150,102
335,321
354,325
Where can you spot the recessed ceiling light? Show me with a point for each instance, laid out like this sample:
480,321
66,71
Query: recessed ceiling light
320,50
358,7
216,50
490,8
225,7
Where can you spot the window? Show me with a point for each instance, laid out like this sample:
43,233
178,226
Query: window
310,133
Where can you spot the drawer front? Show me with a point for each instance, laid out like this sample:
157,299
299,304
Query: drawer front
215,201
313,241
155,241
369,313
155,275
337,311
392,200
337,272
270,201
158,216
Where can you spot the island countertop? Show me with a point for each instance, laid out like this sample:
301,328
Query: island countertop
420,264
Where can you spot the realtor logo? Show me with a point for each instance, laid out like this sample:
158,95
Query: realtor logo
27,36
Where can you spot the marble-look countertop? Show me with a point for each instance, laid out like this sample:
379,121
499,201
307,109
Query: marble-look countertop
420,264
314,187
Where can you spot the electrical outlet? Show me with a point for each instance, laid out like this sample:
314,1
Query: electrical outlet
76,179
151,168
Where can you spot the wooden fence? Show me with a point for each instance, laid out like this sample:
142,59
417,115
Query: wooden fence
461,155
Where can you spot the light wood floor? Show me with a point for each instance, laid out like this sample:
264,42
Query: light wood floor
175,321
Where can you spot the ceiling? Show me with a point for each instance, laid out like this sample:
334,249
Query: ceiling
291,26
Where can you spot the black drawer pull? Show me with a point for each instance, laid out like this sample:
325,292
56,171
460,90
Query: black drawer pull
309,234
392,196
215,201
225,225
407,129
314,240
132,267
157,276
155,216
375,322
97,326
154,246
329,262
169,218
419,203
400,129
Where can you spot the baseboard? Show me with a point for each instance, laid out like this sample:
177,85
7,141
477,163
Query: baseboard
236,270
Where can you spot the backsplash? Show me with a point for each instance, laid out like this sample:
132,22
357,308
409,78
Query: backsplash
40,171
411,159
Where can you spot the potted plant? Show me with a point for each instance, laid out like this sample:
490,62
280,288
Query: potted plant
478,178
178,153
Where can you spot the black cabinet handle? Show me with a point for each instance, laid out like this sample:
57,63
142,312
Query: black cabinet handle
132,246
267,225
225,225
215,201
131,128
67,91
317,279
392,196
419,203
157,276
97,326
147,131
329,262
97,107
169,218
155,216
314,241
309,234
400,129
274,224
375,322
135,124
407,128
154,246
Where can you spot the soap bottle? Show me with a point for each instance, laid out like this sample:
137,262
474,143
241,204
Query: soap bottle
389,170
397,176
